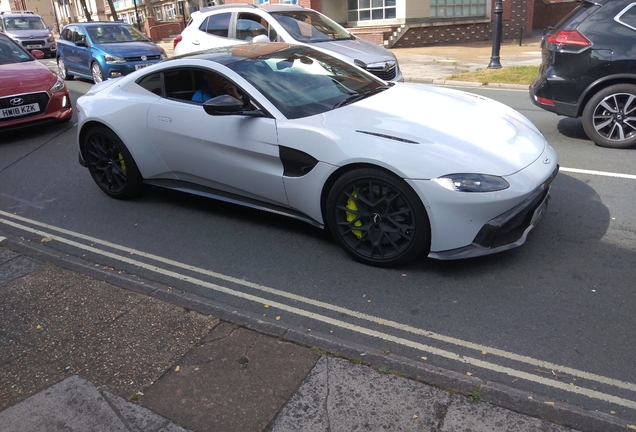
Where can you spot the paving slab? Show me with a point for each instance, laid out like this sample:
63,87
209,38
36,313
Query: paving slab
341,396
71,405
56,323
236,380
465,416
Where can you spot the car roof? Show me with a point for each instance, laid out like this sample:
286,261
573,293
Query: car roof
98,23
265,7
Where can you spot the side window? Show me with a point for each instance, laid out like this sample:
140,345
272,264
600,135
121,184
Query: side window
248,26
152,83
79,35
217,24
627,17
182,84
67,34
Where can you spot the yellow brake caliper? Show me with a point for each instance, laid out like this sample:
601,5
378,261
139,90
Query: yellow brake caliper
351,205
122,164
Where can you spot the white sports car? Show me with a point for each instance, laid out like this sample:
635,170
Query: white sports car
385,166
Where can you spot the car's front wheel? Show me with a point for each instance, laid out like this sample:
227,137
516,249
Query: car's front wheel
377,218
110,164
63,71
609,118
96,71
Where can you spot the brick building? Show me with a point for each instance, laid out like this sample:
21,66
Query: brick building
393,23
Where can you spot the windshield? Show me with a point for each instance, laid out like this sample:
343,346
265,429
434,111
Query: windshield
302,82
24,23
11,53
114,34
310,26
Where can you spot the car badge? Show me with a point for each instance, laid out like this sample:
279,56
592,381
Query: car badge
546,160
16,101
144,58
388,66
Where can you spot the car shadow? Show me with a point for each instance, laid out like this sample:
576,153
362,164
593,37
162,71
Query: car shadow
572,128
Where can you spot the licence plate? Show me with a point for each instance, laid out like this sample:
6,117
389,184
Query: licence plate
141,66
21,110
33,46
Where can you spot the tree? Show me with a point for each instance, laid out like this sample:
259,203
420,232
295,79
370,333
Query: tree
113,11
86,13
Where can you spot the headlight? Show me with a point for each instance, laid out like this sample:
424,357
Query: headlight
163,56
472,182
114,59
59,85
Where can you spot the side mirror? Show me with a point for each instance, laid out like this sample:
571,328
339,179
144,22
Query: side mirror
260,39
228,105
37,54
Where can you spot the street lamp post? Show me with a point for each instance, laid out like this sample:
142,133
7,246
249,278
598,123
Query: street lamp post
182,7
496,37
137,15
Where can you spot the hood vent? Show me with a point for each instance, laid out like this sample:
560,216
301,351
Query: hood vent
391,137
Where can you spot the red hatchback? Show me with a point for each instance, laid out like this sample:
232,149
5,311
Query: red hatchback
30,92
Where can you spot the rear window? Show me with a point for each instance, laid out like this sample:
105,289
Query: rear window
627,16
217,24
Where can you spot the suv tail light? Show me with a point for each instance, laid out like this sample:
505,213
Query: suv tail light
176,41
568,37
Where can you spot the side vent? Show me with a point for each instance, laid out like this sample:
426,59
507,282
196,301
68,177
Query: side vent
391,137
295,162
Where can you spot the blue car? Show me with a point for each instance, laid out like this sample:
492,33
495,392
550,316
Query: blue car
103,50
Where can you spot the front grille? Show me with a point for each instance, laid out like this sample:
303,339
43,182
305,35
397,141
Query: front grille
148,58
33,42
41,98
387,73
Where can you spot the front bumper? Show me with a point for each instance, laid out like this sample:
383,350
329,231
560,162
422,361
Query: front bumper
508,230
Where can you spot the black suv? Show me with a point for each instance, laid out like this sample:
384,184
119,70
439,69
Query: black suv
589,71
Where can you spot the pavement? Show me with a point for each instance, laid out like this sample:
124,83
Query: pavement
87,348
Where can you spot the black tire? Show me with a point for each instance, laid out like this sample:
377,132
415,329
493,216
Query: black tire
111,165
96,72
62,70
609,118
377,218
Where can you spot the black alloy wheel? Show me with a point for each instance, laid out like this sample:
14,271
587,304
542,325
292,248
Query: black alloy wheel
377,218
609,118
110,164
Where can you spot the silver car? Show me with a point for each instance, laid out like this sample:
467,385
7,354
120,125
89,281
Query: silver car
227,25
28,30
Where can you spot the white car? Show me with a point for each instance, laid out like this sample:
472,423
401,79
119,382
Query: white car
383,165
225,25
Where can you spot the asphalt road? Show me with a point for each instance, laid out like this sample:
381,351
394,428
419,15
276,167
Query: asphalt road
555,316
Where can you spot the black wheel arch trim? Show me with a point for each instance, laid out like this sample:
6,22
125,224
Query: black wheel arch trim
599,84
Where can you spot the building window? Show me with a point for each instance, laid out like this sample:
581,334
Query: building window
365,10
170,11
158,13
457,8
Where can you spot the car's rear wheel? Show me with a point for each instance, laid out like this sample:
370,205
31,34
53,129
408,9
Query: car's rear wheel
63,71
96,71
110,164
377,218
609,118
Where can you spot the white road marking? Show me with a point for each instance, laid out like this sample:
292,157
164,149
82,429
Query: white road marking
338,323
598,173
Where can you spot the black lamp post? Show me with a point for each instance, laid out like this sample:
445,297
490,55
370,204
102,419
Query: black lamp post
182,7
137,15
496,37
